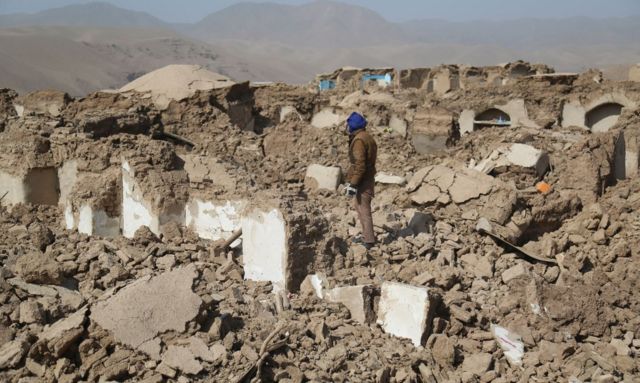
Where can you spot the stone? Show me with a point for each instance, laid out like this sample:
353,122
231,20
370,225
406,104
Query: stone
320,177
621,347
405,311
358,299
599,237
181,358
443,349
420,222
477,364
483,268
514,272
484,224
528,157
416,180
200,349
466,187
166,370
388,179
56,339
39,268
31,312
149,306
426,194
326,118
11,353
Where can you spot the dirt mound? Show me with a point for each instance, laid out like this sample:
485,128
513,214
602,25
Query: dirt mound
176,82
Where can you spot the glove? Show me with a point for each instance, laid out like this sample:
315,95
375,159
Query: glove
349,190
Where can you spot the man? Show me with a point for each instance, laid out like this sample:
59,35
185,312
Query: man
363,151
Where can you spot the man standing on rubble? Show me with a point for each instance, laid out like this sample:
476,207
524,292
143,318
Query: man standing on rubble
363,151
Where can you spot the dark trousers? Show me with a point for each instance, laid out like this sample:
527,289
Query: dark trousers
362,204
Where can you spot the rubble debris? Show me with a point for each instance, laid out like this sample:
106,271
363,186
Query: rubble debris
119,260
140,311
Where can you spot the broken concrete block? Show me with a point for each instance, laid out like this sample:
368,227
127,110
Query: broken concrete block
149,306
213,220
264,247
528,157
181,358
405,311
388,179
358,299
514,272
320,177
279,244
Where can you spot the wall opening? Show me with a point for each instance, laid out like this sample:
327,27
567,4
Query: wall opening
42,187
491,117
603,117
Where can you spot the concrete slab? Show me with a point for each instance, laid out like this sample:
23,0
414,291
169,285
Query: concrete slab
405,311
140,311
264,247
320,177
529,157
358,299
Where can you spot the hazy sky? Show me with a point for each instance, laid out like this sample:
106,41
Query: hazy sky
395,10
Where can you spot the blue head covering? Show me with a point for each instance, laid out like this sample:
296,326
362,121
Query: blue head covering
356,122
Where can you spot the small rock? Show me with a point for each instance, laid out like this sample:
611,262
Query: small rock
31,312
182,359
514,272
477,364
620,347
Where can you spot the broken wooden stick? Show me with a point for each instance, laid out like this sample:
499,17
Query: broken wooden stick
236,234
4,195
264,352
177,138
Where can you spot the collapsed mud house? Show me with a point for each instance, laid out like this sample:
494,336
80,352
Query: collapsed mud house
116,207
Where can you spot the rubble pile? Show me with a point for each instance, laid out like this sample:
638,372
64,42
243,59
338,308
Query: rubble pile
206,237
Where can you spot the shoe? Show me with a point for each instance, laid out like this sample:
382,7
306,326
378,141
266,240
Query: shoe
368,246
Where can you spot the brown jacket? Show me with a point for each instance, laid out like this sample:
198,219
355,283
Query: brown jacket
363,152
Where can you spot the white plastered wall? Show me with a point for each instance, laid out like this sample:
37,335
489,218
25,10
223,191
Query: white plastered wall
14,188
136,212
96,222
574,113
214,220
264,247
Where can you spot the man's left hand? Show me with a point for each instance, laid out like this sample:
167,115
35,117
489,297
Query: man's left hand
349,190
